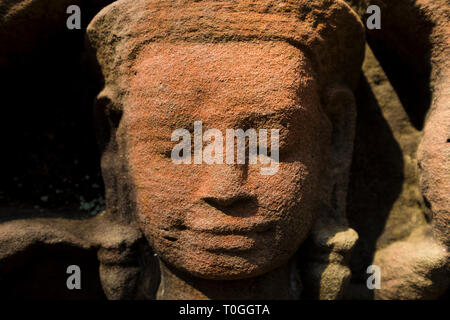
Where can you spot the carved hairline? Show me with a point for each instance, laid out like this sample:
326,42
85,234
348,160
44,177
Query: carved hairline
329,32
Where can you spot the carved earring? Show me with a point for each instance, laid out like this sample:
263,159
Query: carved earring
331,240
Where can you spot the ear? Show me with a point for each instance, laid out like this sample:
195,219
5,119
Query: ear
107,117
340,108
325,272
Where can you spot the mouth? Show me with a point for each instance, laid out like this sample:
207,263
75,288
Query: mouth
233,242
239,214
220,227
225,225
218,237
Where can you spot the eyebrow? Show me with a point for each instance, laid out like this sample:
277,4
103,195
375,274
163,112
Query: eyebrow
254,119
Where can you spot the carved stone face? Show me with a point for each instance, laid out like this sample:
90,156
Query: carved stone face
223,221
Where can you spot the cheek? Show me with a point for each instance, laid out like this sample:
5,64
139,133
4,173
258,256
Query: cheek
281,190
163,190
298,179
293,197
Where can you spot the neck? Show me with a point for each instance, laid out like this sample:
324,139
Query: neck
282,284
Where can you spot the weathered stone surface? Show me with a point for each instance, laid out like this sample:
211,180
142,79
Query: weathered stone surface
416,268
121,251
224,231
413,49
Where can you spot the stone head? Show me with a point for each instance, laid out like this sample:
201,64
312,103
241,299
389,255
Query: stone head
289,66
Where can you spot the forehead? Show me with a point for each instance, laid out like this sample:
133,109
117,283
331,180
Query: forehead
217,81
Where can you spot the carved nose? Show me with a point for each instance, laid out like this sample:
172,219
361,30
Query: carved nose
229,201
239,205
226,191
225,182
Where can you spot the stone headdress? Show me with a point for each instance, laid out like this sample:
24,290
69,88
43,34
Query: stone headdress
328,31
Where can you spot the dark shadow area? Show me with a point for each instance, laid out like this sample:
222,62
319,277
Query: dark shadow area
403,48
412,84
50,156
50,159
40,272
376,180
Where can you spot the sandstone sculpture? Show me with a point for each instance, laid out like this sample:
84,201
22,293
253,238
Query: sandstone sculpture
223,231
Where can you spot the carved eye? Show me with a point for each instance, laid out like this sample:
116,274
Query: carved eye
167,153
